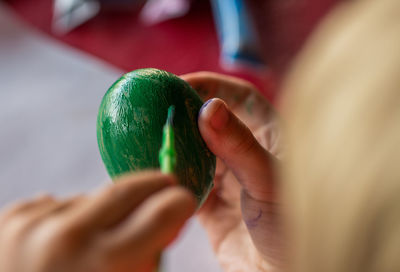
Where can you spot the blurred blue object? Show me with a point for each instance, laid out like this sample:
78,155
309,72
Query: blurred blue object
240,45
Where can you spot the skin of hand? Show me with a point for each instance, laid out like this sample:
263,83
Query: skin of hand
241,214
122,227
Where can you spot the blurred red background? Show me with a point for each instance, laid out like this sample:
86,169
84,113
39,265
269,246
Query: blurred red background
189,43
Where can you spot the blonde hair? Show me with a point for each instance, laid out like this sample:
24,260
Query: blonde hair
342,167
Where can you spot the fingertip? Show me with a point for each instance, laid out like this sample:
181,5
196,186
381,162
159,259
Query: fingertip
171,179
175,206
188,199
215,114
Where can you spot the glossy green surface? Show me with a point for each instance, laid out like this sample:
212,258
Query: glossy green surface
130,127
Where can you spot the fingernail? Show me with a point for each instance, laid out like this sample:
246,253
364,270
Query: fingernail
205,105
215,113
219,115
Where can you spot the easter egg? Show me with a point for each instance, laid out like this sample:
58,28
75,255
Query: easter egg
130,127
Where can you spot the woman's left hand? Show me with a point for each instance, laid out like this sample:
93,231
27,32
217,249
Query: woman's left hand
241,215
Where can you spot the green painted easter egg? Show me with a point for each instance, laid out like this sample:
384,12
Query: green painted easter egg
130,127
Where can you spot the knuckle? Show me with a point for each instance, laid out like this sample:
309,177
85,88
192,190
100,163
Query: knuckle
14,226
52,244
108,193
204,74
44,197
55,234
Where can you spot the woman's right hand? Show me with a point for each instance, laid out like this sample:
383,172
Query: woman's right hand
124,227
241,215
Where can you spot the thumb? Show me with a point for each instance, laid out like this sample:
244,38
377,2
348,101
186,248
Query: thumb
229,139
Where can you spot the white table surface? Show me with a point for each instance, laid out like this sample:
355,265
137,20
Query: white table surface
49,96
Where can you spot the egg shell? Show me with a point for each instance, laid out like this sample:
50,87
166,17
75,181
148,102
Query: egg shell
130,125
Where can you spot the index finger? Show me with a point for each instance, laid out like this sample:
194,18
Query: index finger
110,206
154,225
209,84
242,97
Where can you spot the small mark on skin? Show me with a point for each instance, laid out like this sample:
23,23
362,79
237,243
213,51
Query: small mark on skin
249,106
252,223
236,98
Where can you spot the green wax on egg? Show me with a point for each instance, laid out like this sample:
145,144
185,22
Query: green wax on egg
130,125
